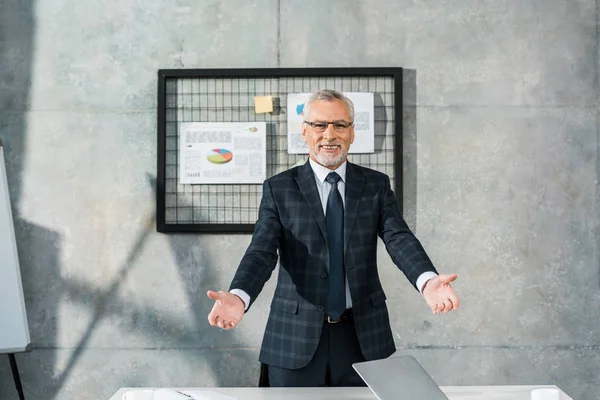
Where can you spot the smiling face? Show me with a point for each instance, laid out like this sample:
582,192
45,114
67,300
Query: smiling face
328,147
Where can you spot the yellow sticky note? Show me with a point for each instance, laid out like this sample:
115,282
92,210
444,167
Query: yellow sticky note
263,104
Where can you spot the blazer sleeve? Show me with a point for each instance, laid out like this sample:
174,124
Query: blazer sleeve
401,244
260,258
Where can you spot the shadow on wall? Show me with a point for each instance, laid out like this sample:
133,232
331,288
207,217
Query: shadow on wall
230,366
39,255
409,147
43,372
45,286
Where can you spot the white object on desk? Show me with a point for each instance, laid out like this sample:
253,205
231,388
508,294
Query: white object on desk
139,394
174,394
356,393
208,395
158,394
545,394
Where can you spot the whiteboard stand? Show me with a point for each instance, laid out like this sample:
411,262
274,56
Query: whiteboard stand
16,377
14,335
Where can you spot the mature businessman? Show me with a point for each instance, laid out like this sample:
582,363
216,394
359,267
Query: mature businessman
324,217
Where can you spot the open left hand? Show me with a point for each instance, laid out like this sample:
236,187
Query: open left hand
439,294
228,310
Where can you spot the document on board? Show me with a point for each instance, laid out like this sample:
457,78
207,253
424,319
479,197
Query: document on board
222,152
364,122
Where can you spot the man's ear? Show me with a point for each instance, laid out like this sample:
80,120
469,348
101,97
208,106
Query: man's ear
352,135
304,132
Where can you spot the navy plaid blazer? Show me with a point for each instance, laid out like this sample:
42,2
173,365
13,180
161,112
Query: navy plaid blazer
291,221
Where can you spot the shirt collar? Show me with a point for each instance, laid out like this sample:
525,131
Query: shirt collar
321,172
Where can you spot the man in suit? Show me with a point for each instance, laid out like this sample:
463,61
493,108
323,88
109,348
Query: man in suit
324,217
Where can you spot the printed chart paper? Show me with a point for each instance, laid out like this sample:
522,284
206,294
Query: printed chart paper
222,152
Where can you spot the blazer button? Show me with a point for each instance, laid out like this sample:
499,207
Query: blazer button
321,308
324,275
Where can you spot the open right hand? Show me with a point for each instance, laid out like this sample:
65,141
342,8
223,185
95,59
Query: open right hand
228,310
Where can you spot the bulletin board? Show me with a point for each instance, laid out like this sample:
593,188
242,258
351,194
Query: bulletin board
228,95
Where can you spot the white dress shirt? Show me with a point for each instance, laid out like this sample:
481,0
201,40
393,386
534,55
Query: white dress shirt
324,187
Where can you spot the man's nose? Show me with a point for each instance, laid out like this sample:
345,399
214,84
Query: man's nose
329,132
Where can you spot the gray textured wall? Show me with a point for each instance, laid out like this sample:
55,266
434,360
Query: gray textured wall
501,162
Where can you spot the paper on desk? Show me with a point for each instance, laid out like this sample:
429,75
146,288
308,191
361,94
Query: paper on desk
545,394
170,394
139,394
207,395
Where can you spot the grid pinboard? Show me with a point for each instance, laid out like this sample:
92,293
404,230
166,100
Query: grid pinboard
200,99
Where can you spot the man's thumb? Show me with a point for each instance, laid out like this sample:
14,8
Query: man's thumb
213,295
448,278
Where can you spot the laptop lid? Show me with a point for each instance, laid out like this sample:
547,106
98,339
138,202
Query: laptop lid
399,378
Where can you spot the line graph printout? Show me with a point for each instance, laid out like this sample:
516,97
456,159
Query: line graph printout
222,152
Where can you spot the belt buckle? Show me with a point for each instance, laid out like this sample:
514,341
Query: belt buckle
334,321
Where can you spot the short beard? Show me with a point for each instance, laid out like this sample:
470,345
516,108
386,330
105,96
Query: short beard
329,160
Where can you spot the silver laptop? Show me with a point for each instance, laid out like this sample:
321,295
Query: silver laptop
399,378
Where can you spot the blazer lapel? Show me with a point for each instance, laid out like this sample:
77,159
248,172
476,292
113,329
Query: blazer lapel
354,186
308,188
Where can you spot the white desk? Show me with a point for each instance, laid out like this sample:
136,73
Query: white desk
363,393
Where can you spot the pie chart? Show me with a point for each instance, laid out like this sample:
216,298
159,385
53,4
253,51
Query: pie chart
220,156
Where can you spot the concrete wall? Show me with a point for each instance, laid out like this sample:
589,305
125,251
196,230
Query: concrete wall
501,162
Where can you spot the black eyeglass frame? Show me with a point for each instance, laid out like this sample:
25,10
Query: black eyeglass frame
346,125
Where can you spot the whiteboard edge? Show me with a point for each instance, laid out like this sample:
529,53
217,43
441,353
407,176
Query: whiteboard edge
15,252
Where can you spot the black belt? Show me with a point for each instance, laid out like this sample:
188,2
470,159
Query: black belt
346,315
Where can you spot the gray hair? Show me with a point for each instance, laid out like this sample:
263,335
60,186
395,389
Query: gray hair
329,95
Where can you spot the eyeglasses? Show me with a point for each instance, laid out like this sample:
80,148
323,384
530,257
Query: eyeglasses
339,126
